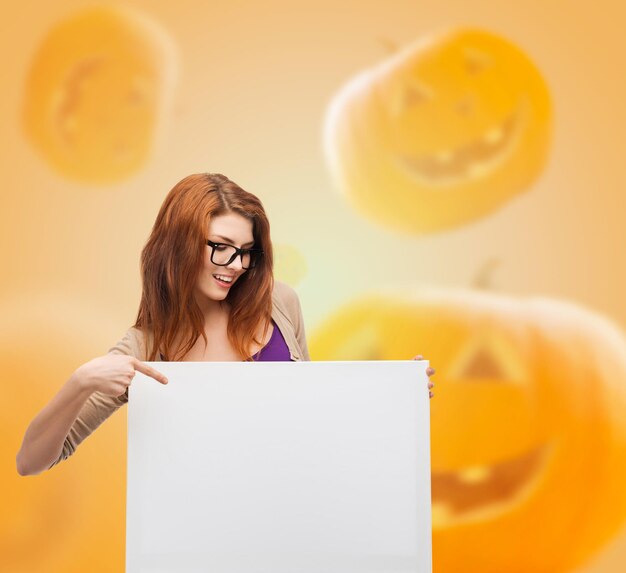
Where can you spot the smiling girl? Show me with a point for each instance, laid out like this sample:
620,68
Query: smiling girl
208,295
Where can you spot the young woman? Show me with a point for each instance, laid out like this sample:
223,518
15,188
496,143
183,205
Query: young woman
208,294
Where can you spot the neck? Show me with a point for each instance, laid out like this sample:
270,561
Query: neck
213,310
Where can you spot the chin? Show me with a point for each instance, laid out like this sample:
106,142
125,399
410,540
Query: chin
216,294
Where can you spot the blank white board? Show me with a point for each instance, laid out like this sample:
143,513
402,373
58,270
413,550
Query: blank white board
279,467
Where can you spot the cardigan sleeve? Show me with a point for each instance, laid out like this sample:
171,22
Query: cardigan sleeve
98,407
287,301
299,327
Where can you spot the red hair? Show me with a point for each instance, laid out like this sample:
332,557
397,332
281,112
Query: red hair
172,259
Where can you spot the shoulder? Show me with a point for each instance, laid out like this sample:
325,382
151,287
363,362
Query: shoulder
284,294
286,299
133,343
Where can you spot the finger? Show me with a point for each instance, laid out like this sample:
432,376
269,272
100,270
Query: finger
149,371
430,394
431,385
430,371
418,357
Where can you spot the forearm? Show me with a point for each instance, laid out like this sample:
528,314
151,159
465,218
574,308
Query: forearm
45,436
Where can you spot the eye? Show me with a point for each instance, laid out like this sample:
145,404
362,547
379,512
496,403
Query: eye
220,247
476,61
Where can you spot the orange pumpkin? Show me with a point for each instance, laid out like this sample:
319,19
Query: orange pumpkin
528,422
96,91
71,518
442,133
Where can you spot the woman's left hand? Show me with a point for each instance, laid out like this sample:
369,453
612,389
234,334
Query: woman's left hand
429,372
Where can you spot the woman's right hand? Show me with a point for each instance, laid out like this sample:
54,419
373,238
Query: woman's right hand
112,374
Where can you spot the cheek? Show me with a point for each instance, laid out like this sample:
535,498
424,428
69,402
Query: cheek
207,265
204,276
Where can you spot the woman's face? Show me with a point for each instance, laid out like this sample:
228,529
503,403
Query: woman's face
215,281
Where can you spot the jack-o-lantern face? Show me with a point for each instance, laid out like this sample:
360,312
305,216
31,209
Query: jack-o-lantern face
528,429
442,133
56,522
96,91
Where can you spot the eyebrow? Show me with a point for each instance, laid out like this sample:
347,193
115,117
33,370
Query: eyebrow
232,242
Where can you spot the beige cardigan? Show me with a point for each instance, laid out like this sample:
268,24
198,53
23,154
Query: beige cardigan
286,313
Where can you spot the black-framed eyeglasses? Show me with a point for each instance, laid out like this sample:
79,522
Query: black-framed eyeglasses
222,254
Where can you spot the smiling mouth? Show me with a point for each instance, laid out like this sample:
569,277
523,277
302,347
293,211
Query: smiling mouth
224,280
482,492
471,161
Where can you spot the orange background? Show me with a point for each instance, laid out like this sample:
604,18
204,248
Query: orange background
254,82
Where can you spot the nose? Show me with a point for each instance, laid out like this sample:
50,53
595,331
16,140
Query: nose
236,264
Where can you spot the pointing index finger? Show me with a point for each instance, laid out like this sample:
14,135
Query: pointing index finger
149,371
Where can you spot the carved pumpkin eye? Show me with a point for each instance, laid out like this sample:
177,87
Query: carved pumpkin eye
466,105
408,96
416,94
140,91
476,61
483,365
489,358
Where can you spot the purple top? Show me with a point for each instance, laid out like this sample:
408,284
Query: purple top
276,349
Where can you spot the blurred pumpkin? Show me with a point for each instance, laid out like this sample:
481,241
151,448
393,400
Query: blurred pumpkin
528,423
69,519
289,264
96,91
440,134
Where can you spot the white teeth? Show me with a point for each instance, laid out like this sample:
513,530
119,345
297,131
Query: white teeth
223,278
445,157
494,135
477,169
441,513
476,474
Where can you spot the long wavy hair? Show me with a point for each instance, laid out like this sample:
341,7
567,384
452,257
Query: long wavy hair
174,255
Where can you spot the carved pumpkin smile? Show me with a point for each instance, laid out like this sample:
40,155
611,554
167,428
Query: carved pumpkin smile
480,492
472,160
490,484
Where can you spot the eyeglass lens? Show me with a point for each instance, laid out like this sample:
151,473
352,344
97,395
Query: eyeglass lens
222,255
